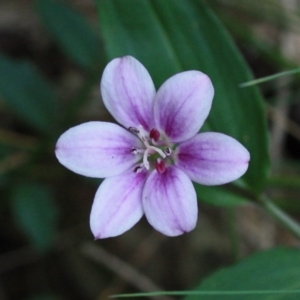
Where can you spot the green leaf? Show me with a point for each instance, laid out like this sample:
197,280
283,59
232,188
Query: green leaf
131,27
28,94
36,213
219,196
71,30
171,36
273,270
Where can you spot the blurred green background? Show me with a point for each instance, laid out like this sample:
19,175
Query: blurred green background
52,55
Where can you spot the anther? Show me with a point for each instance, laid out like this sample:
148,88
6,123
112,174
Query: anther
160,166
168,151
138,169
145,159
154,134
133,130
134,150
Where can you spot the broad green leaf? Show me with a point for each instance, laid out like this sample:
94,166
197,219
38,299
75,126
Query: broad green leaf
131,27
273,270
218,195
71,30
171,36
36,213
28,94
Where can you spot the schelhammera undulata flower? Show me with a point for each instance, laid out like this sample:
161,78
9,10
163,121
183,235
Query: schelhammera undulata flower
151,160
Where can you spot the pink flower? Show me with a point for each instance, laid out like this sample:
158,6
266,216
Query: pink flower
150,161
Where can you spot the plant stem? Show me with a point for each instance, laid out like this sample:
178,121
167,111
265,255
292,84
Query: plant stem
233,232
280,215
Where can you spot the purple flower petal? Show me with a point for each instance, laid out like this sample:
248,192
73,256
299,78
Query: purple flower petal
182,104
169,201
118,204
128,92
97,149
212,158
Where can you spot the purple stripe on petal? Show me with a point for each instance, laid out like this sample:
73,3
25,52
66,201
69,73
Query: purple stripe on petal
128,92
212,158
182,104
118,204
169,201
97,149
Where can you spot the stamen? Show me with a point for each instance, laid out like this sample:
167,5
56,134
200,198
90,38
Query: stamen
160,166
142,131
144,137
154,134
141,135
133,130
138,169
168,151
145,159
135,150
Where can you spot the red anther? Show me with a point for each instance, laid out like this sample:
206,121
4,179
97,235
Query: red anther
160,166
154,134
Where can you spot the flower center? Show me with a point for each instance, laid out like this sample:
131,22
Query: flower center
156,150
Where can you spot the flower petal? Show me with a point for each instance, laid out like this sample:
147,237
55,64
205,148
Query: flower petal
97,149
182,104
212,158
118,204
169,201
128,92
